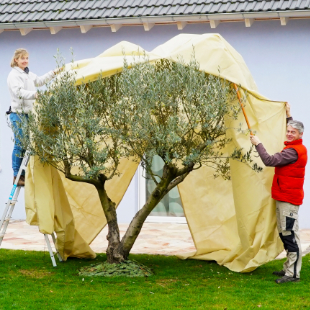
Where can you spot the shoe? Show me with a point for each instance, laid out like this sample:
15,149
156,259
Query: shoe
285,279
279,273
21,181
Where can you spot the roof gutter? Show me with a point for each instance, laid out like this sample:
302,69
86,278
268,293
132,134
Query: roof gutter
167,19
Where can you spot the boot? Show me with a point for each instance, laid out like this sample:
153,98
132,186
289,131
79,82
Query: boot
285,279
21,181
279,273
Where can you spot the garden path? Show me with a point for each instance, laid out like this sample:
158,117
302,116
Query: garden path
155,238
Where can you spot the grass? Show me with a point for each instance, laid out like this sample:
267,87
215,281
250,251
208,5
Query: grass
28,281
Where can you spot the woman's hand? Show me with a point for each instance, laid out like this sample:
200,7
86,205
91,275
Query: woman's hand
58,70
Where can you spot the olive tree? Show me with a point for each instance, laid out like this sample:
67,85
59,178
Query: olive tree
181,114
169,109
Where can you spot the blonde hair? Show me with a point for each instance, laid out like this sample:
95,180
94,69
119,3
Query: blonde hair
18,53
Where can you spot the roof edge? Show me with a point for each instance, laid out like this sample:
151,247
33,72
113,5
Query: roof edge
159,19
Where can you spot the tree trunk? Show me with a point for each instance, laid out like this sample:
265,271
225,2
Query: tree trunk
114,250
137,222
117,250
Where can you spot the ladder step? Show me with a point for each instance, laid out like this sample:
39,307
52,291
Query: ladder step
13,202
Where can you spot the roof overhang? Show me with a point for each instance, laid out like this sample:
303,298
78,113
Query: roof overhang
149,21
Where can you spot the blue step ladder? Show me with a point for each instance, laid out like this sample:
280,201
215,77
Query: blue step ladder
9,207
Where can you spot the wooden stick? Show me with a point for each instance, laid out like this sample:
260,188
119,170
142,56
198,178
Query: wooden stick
243,110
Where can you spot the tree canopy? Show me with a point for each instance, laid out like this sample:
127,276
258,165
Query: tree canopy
165,108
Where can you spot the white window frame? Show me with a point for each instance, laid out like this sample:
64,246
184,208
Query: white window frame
142,199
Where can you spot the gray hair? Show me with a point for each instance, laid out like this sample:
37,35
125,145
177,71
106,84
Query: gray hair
297,125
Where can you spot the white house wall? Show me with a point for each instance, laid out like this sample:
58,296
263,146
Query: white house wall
277,56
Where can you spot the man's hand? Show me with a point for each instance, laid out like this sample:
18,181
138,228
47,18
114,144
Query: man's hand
254,140
288,110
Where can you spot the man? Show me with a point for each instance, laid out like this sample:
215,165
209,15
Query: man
287,190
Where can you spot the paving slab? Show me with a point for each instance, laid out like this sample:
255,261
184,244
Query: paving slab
155,238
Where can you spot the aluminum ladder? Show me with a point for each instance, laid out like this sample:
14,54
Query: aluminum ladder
8,210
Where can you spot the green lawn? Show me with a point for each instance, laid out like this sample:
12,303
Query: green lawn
28,281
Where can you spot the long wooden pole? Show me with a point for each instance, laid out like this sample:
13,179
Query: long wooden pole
243,109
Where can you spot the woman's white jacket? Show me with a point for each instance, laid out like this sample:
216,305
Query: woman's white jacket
22,88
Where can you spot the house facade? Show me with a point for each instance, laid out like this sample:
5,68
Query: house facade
273,37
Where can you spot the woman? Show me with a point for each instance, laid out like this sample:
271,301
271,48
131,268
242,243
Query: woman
22,86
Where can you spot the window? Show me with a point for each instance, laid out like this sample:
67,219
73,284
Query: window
170,208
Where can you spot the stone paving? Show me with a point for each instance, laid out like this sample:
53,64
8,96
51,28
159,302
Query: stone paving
155,238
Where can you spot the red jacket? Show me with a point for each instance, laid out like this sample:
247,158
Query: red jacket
288,180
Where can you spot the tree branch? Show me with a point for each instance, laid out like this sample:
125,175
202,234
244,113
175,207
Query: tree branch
77,178
176,181
185,170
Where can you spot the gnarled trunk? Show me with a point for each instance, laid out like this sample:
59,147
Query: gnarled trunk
114,250
137,222
117,250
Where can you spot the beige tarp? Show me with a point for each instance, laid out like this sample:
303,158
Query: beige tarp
232,222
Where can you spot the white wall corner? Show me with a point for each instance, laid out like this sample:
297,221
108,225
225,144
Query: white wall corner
85,28
25,31
248,22
214,23
148,26
115,27
181,25
54,30
284,21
